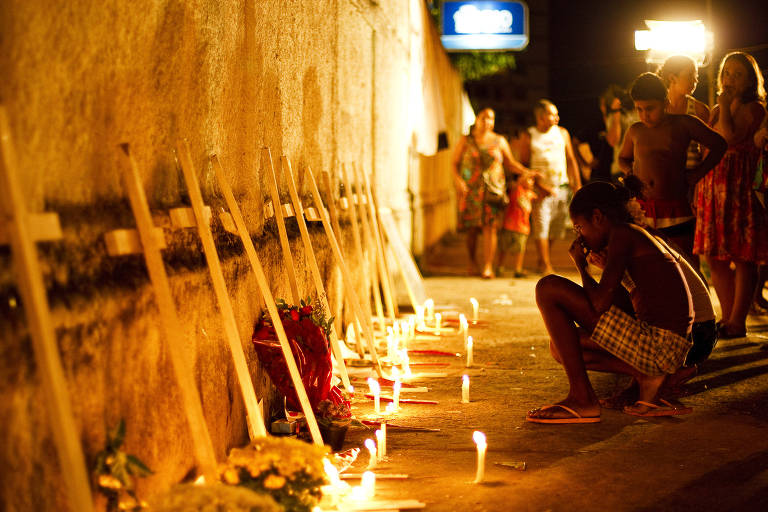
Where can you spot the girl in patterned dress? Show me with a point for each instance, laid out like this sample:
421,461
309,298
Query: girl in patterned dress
475,153
730,221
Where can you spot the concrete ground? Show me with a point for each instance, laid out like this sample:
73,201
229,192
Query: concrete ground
713,459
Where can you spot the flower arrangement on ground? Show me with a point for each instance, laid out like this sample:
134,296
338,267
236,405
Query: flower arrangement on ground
212,497
308,331
115,472
289,470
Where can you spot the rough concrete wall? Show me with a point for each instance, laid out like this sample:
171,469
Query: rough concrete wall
322,82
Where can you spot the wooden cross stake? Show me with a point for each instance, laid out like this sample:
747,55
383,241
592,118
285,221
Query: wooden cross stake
370,245
16,223
269,168
169,319
309,251
269,300
367,275
255,419
348,283
386,277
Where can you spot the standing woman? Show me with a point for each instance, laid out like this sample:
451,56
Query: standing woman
731,223
481,150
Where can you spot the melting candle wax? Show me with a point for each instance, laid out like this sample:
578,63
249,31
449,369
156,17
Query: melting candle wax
482,446
475,308
373,384
470,348
371,446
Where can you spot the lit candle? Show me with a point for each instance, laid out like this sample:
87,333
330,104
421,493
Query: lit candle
482,446
464,326
373,385
332,473
406,363
470,359
384,438
429,304
438,320
475,308
390,347
379,446
389,409
371,445
420,316
396,393
368,483
465,389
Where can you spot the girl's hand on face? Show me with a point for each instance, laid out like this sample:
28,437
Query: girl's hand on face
578,252
597,259
725,98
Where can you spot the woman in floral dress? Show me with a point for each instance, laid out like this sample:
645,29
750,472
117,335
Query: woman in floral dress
482,149
731,223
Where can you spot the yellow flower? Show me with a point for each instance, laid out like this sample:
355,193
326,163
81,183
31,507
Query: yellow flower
231,476
109,482
274,482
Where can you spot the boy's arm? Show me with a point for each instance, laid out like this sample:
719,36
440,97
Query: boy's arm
627,153
710,139
572,167
509,160
525,148
613,123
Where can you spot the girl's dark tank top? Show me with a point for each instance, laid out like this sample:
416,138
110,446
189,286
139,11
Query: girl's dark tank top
661,296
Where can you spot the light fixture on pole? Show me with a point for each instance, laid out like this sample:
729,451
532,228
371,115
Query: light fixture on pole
666,38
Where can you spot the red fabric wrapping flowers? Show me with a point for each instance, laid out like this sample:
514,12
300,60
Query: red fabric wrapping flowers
309,345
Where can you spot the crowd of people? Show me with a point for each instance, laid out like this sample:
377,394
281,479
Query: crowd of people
672,188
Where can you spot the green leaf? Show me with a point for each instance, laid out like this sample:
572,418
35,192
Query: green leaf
117,435
137,467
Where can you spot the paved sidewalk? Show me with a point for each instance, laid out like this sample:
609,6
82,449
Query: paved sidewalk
713,459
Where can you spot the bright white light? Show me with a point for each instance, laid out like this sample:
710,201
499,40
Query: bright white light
471,20
479,439
667,38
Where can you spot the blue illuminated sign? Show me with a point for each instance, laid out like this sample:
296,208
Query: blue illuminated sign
484,25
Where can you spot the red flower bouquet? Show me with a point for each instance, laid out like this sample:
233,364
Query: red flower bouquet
307,330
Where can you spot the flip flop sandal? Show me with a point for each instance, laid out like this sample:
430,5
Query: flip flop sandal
654,410
574,418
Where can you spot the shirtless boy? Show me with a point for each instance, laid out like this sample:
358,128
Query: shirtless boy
655,151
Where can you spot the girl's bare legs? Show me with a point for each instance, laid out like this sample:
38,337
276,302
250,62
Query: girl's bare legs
563,303
745,280
490,237
472,249
723,279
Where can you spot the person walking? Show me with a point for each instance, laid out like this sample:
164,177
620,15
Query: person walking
548,151
481,152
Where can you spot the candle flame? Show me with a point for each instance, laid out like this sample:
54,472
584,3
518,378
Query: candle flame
371,446
474,302
469,341
373,385
200,480
465,379
331,472
479,439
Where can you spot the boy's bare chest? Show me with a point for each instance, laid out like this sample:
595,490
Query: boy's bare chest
667,143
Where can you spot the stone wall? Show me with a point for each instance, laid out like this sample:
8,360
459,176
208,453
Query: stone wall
323,82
